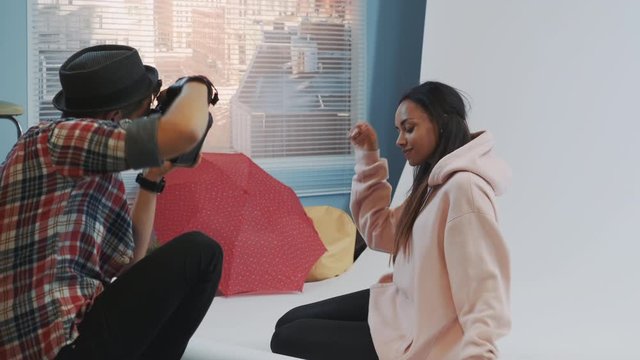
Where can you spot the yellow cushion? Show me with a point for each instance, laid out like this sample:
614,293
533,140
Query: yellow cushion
338,233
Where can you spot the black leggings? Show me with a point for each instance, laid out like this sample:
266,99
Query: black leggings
335,328
153,309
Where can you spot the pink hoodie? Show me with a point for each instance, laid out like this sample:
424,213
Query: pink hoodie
449,299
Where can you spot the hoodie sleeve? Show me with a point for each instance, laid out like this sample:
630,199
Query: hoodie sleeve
478,265
370,199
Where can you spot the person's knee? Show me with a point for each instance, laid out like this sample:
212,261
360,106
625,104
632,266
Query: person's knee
281,341
295,314
288,317
294,338
201,244
202,252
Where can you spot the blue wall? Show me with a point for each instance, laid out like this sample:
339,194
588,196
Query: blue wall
13,65
394,49
394,53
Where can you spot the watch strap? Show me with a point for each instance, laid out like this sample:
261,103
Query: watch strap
156,187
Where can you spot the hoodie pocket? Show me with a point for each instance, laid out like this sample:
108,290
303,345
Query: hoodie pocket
387,309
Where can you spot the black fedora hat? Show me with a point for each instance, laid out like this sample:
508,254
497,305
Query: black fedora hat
104,78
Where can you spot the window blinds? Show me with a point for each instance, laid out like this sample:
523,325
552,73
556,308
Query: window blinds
291,73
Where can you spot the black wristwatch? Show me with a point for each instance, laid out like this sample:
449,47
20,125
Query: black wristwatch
149,185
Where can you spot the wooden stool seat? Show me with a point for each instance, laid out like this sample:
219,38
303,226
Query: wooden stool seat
8,111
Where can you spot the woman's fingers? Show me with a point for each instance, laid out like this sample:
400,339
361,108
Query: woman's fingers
363,136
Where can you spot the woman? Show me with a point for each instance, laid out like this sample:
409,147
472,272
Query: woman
448,296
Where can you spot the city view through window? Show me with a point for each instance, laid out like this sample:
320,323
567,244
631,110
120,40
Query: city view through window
290,73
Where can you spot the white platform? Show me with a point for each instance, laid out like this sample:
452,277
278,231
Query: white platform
240,327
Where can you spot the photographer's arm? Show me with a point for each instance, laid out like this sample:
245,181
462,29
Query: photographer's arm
143,214
106,146
180,129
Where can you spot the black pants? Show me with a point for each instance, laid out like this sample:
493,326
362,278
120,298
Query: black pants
334,329
153,309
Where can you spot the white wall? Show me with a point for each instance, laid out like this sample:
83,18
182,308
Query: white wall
558,83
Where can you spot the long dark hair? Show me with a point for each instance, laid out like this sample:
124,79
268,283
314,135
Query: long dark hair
446,109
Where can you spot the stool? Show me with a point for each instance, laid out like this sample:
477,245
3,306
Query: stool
8,111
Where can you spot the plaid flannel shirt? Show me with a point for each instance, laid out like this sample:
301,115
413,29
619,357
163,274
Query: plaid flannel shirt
65,231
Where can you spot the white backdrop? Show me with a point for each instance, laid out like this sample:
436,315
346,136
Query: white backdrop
558,83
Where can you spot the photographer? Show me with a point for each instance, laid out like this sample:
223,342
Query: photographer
66,230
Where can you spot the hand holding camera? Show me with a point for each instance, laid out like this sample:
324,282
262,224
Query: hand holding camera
166,98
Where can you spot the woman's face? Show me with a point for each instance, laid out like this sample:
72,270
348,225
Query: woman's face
417,134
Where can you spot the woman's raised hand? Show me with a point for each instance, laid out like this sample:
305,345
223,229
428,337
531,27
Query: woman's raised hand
364,137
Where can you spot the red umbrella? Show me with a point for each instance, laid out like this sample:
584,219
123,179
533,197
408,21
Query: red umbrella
269,242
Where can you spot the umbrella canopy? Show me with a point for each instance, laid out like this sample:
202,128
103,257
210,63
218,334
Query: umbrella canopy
269,242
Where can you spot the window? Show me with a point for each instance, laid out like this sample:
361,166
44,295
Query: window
290,73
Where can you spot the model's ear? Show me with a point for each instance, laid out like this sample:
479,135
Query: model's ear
114,115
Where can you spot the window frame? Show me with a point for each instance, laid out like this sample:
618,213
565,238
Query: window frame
287,169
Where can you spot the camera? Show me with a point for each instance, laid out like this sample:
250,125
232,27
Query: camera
164,101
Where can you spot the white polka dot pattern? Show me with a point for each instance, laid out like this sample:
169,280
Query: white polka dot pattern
269,243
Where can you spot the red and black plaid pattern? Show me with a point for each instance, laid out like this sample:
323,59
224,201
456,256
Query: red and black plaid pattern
65,231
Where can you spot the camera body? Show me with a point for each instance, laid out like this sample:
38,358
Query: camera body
164,102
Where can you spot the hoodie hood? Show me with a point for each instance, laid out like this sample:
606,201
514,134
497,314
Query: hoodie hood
478,157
